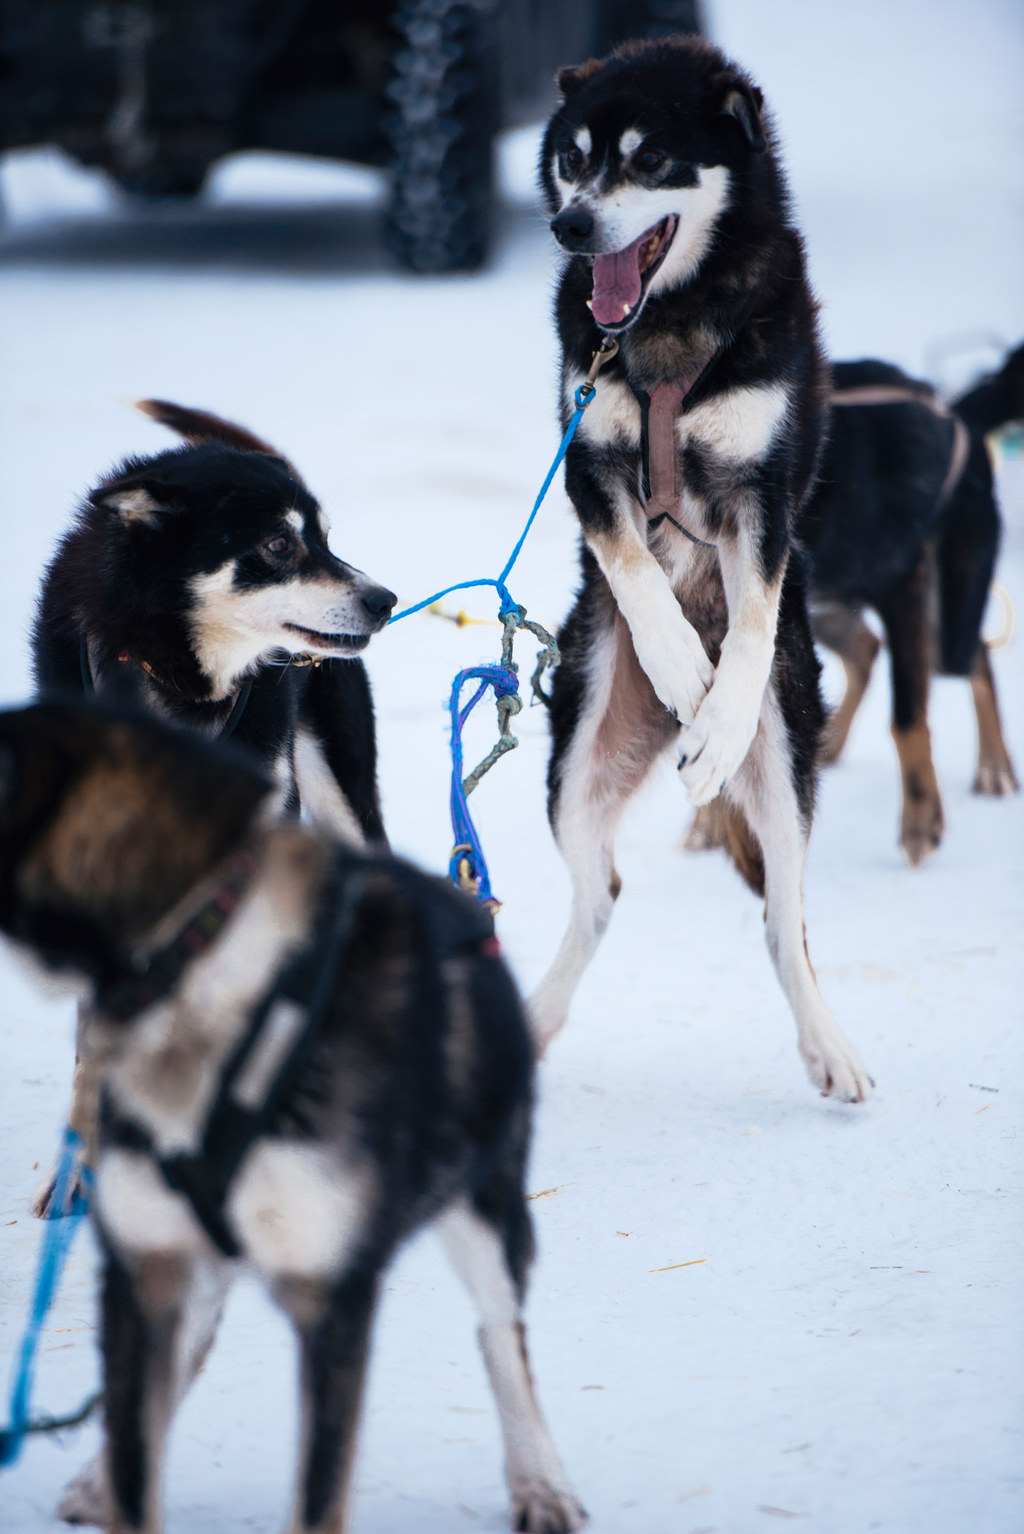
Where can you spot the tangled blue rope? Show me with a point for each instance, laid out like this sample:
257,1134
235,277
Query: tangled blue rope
467,863
64,1218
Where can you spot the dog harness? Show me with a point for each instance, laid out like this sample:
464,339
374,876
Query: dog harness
283,1026
661,481
125,657
890,394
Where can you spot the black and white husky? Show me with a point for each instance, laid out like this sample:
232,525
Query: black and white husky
687,474
194,576
200,581
306,1052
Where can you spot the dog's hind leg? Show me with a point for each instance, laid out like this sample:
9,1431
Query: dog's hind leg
333,1321
904,612
766,791
617,729
87,1499
843,630
485,1259
995,773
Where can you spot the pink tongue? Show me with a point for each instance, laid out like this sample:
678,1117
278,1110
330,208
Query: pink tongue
617,282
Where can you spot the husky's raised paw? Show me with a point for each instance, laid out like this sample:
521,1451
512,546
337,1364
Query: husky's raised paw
538,1507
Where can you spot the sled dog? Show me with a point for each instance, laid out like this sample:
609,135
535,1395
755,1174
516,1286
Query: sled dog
687,473
904,521
200,581
305,1051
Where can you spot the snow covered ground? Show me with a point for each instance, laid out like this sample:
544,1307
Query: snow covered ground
752,1307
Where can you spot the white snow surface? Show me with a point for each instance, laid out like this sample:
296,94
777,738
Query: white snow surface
751,1306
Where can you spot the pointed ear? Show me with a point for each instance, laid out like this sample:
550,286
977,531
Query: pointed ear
198,426
745,103
135,503
573,76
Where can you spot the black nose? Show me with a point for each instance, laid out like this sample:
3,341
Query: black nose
573,228
378,601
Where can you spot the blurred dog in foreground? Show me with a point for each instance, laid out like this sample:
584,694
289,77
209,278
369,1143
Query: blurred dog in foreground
305,1053
904,521
688,473
200,581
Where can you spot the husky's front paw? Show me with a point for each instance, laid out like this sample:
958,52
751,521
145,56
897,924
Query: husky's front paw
85,1499
540,1507
714,747
681,681
834,1066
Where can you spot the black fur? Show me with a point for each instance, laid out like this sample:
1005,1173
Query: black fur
750,291
123,585
420,1072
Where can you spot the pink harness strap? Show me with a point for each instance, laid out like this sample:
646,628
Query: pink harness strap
665,404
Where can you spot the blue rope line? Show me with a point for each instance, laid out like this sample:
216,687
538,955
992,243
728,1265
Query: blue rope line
467,842
500,679
583,398
63,1221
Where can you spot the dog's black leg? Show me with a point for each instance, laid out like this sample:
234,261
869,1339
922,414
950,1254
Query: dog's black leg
334,1331
336,752
995,773
178,1300
904,612
143,1316
618,730
489,1252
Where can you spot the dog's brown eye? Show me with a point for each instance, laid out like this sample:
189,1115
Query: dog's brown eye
651,159
574,157
279,545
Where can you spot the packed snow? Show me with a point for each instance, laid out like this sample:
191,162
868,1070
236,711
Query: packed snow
751,1306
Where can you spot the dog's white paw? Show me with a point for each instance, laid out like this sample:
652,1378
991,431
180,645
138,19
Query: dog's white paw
713,747
834,1066
540,1506
85,1498
681,681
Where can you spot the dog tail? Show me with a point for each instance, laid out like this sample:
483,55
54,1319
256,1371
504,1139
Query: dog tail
200,426
723,824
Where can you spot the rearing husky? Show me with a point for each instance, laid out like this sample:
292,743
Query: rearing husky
687,473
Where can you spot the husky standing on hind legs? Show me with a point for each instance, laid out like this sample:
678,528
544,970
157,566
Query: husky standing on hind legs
687,474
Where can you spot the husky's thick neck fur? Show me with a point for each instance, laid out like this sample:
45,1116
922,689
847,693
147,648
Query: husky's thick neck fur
660,172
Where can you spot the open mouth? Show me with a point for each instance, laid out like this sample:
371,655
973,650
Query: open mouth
621,279
315,640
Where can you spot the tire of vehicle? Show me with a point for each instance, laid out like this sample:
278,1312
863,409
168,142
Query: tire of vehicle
444,112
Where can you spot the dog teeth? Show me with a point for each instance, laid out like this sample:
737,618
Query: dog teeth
626,309
590,306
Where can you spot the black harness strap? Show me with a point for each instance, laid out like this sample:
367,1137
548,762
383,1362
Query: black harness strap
226,730
280,1036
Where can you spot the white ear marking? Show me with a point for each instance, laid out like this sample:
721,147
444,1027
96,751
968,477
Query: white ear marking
134,506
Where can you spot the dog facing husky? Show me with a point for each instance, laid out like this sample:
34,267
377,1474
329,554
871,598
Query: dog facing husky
306,1052
200,580
687,473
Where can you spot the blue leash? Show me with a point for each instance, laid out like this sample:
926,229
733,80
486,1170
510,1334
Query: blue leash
58,1234
467,865
583,397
